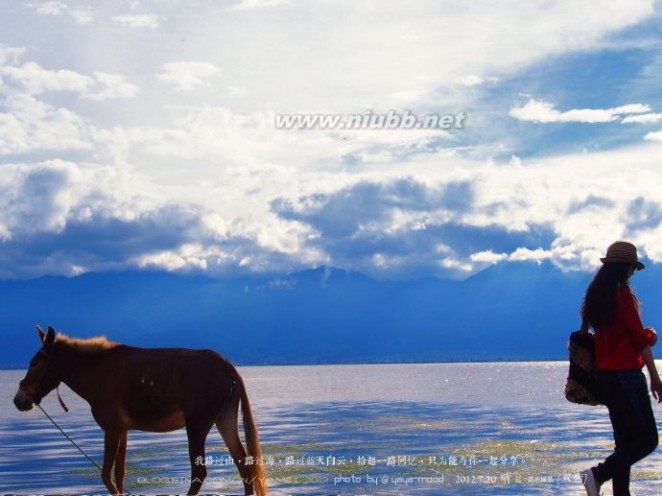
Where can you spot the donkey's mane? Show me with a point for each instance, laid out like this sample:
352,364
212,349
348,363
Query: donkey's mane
91,344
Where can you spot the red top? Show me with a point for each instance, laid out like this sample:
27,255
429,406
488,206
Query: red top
619,346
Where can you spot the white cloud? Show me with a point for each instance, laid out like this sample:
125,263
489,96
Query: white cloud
257,4
148,21
643,119
488,256
28,124
334,56
635,108
509,201
187,76
370,219
456,265
56,8
35,80
474,80
245,141
58,217
240,163
107,86
308,57
51,8
654,136
264,199
82,16
37,197
541,111
10,55
524,254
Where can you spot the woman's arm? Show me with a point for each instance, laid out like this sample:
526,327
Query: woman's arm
628,309
656,383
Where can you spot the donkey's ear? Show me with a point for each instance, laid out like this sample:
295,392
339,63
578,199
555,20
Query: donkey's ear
41,333
50,338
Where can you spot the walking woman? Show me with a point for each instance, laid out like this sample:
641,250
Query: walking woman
622,348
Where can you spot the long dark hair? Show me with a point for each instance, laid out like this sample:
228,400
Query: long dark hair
599,306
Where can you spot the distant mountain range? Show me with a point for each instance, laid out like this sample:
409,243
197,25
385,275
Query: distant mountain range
510,311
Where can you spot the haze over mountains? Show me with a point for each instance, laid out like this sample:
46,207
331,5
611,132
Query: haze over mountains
510,311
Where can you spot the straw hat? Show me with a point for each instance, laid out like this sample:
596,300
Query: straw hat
623,252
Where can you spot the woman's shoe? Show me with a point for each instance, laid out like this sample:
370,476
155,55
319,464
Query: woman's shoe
590,484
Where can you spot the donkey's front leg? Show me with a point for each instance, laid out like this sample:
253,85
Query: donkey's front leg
119,462
111,445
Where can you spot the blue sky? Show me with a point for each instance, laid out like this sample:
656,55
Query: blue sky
140,134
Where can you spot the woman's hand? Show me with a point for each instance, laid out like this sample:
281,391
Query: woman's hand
652,332
656,383
656,388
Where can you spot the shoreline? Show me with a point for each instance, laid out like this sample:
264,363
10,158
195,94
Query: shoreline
328,364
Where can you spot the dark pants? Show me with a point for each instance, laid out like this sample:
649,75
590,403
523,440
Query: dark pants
635,432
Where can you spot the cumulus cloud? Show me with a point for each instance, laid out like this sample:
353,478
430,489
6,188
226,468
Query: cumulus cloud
644,214
401,228
450,227
148,21
26,124
526,254
541,111
35,79
474,80
59,217
98,243
444,222
643,118
257,4
591,201
34,199
29,124
308,57
449,216
488,256
187,76
10,55
654,136
201,180
56,8
247,141
106,86
51,8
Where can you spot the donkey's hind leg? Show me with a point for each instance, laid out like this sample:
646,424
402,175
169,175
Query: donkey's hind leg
197,435
228,425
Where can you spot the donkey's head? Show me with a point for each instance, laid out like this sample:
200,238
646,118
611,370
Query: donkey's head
43,375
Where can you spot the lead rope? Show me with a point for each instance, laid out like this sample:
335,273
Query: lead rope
57,390
71,440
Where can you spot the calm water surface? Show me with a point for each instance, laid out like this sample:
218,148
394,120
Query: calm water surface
428,429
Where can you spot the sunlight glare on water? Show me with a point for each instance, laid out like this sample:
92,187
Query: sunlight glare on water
506,426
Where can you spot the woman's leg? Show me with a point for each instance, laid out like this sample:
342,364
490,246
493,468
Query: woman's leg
635,431
619,473
620,483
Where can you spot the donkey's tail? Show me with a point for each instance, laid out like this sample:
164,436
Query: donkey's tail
258,474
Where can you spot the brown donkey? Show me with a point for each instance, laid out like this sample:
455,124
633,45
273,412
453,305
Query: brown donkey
157,390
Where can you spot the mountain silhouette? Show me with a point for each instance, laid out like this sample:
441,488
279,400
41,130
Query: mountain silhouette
509,311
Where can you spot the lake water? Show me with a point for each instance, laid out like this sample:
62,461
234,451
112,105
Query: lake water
424,429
